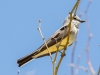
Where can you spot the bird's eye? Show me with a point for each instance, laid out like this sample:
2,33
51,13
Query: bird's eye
74,18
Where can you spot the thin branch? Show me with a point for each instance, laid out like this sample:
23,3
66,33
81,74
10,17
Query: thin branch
74,46
79,11
44,39
65,47
78,61
63,53
72,58
86,13
89,38
46,45
80,67
88,43
59,19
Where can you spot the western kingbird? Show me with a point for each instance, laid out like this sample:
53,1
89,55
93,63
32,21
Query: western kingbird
54,40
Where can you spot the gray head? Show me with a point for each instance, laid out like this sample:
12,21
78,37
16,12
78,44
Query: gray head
75,21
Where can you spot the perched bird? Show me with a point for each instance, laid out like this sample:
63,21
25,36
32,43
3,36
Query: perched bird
55,39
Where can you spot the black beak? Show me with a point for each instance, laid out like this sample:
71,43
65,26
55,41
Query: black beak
82,21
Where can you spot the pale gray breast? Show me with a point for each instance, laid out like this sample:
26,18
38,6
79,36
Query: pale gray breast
73,34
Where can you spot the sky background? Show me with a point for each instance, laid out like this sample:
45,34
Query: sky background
19,35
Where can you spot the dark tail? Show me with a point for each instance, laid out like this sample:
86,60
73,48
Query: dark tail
25,59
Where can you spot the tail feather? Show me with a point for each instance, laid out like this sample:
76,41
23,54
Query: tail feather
28,58
24,60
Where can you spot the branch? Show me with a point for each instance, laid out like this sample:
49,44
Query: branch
89,38
69,28
45,44
59,19
80,67
72,59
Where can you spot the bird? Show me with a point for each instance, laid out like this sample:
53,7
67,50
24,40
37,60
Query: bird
59,38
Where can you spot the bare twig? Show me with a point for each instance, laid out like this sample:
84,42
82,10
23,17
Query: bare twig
59,19
67,40
72,58
74,46
80,67
46,45
78,61
63,53
44,39
79,11
89,38
88,43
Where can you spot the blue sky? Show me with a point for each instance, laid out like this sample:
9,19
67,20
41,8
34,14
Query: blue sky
19,35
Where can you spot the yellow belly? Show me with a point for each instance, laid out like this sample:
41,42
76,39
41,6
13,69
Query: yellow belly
54,47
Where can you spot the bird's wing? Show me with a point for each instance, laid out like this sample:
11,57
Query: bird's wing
56,37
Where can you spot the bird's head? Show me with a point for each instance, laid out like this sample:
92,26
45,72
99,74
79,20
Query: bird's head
75,20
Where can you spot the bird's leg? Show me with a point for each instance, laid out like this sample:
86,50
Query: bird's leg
63,54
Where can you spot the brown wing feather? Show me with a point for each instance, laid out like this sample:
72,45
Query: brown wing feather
52,40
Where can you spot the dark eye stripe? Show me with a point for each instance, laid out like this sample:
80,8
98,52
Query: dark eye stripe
76,19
